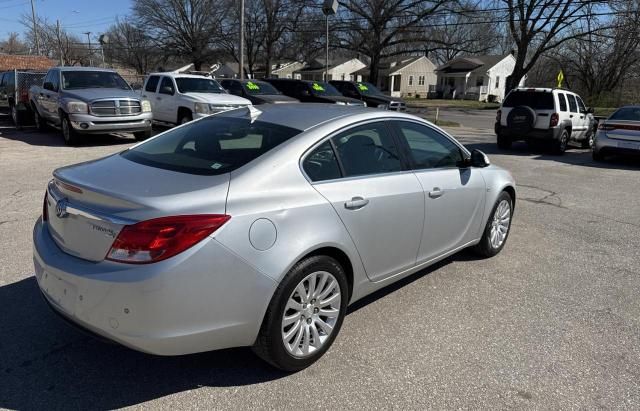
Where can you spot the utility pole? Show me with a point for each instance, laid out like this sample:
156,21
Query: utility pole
88,33
329,7
242,40
35,28
59,42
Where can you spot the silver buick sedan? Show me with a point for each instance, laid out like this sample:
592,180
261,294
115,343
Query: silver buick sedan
259,227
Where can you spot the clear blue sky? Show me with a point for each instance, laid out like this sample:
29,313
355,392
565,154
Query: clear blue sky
76,16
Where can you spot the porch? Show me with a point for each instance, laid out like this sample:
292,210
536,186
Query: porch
460,86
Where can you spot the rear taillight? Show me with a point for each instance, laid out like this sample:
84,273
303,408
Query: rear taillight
555,119
606,127
158,239
45,208
498,116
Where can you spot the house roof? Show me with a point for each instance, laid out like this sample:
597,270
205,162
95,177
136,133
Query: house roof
14,62
391,66
472,64
317,65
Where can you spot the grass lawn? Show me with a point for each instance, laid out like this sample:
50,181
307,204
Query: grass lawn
603,111
433,103
442,123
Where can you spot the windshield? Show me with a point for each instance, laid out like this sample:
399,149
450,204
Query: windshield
320,88
626,113
74,80
211,146
537,100
198,85
259,87
368,89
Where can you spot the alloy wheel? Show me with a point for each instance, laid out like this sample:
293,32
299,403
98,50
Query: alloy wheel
14,114
500,224
310,314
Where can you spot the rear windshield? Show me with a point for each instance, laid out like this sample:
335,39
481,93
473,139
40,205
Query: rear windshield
211,146
260,87
626,113
537,100
74,80
198,85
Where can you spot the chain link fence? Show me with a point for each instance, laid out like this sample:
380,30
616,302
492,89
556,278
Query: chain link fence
21,113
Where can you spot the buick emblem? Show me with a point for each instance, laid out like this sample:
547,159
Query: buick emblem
61,208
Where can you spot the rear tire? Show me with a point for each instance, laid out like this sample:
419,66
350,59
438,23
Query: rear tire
283,345
41,125
560,146
142,135
71,137
498,227
504,142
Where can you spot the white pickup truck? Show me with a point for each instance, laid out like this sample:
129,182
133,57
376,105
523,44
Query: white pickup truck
178,98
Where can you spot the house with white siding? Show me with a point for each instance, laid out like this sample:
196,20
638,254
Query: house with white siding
480,78
404,76
337,70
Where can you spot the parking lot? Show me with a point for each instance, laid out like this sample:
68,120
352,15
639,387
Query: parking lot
551,322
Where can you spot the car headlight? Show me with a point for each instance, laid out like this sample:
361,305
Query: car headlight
202,108
77,107
146,106
341,103
383,106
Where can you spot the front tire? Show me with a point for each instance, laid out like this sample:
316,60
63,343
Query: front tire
71,137
41,125
305,314
185,118
142,135
498,227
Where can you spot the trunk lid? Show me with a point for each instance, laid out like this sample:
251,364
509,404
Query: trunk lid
89,203
622,129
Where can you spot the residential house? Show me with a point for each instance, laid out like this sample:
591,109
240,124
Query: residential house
32,63
480,78
404,77
338,70
284,69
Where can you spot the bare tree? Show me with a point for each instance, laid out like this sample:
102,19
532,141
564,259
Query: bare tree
383,28
184,27
56,42
539,26
254,26
130,46
13,44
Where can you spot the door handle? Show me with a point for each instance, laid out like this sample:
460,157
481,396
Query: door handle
436,192
158,98
356,203
571,116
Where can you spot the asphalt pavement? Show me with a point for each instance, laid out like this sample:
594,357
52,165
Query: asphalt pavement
553,322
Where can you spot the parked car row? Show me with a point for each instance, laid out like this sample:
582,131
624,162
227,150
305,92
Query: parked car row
556,116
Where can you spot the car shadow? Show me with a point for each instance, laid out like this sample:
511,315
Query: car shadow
573,155
46,363
53,138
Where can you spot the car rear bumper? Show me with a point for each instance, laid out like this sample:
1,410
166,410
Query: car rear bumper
181,305
85,123
604,144
552,133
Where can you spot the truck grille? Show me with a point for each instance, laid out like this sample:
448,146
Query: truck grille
110,108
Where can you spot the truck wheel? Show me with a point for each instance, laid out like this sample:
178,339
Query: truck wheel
504,142
71,137
560,146
142,135
41,125
185,118
15,116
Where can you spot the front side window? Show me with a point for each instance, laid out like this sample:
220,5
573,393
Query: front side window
322,163
83,79
581,105
259,88
367,149
321,88
213,145
573,105
198,85
166,86
368,89
428,147
152,84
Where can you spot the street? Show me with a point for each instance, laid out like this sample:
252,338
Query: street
553,322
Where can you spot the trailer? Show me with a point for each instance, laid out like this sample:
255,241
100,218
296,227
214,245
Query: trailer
14,93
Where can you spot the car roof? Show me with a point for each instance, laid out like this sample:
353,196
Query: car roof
180,75
306,116
69,68
544,89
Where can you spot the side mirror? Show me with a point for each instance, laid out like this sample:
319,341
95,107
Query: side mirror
166,90
479,159
590,110
48,85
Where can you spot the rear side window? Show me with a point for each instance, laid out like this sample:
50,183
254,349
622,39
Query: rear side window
152,84
537,100
563,102
322,163
211,146
367,149
626,113
573,106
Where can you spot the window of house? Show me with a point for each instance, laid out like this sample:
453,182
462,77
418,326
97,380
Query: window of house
411,80
497,81
421,80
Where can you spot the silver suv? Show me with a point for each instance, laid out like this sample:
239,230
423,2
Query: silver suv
549,115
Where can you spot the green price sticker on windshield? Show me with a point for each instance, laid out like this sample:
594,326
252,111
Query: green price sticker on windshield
362,87
317,87
252,86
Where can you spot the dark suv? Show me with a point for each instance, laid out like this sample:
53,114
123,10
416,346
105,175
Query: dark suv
312,91
259,92
368,93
